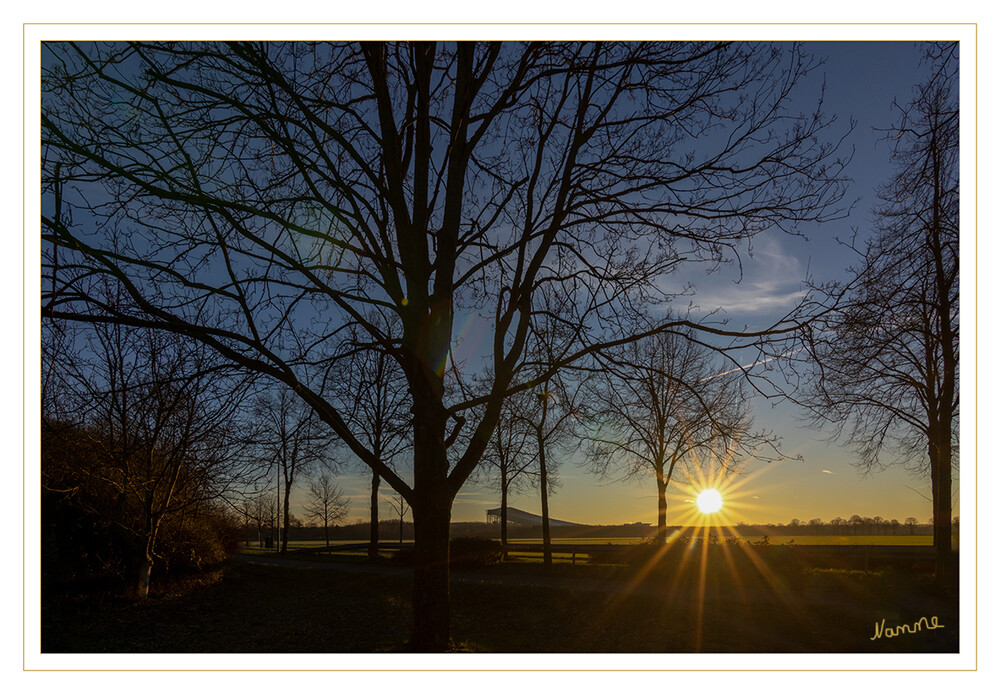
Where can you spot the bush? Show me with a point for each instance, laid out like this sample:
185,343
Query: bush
475,552
202,540
93,534
464,553
645,553
79,549
404,556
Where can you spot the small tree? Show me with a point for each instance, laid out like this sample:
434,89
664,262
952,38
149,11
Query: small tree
553,412
551,422
509,459
251,505
325,503
877,523
373,395
401,508
856,523
292,440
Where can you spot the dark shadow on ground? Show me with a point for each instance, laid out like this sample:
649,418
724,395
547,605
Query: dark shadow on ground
726,604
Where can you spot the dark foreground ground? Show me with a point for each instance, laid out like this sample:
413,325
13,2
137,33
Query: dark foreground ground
317,607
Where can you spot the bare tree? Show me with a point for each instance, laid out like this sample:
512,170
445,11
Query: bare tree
509,461
856,523
552,422
161,417
401,508
887,346
292,439
253,505
667,408
325,503
372,391
259,197
554,416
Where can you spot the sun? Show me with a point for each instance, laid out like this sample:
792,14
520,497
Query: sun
709,501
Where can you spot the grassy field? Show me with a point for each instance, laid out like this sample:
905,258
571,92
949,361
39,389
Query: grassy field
319,607
886,540
900,540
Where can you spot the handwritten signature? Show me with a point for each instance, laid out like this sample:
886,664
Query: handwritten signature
889,632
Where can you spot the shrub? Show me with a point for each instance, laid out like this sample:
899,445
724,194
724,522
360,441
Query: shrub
204,539
475,552
646,552
80,549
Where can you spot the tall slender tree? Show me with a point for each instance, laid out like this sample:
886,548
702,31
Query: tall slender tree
555,415
886,350
292,440
509,461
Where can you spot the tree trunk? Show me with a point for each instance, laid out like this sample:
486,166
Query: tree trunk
940,443
373,523
661,509
145,571
146,566
286,516
503,515
431,595
431,508
940,451
543,482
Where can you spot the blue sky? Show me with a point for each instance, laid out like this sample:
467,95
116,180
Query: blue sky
858,82
861,81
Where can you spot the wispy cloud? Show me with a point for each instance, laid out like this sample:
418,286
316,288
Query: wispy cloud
827,472
771,282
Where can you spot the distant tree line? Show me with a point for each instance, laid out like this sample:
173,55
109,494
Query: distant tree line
389,530
855,525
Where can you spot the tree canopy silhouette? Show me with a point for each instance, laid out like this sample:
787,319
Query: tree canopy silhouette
666,409
885,349
269,198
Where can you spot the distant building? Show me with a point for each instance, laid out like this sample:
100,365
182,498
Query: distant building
516,516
